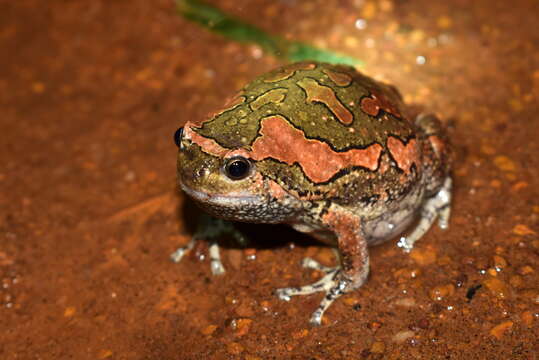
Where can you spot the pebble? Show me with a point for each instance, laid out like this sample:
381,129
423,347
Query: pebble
374,325
424,256
69,311
406,302
405,274
402,336
441,292
499,262
523,230
104,354
499,330
504,163
243,326
208,330
497,287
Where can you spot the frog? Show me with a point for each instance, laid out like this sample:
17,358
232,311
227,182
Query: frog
330,152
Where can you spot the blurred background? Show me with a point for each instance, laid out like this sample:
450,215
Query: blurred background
91,93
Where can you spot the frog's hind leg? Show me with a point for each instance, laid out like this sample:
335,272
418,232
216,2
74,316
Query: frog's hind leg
438,206
348,276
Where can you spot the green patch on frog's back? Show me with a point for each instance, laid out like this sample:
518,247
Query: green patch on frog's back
319,101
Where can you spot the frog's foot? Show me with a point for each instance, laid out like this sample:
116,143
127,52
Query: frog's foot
216,265
210,228
332,283
438,206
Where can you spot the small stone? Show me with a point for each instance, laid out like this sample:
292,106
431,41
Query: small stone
375,325
523,230
497,287
208,330
377,347
234,348
439,293
351,300
519,186
405,274
406,302
69,311
499,262
402,336
424,256
243,326
499,330
103,354
504,163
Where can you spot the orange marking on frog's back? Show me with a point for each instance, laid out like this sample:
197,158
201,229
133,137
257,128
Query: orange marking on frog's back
287,71
209,146
405,155
376,102
339,78
324,94
282,142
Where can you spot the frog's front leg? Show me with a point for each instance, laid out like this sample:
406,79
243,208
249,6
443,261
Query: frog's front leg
348,276
436,207
210,228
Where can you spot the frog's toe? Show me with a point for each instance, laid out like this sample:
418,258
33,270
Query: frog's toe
216,265
178,255
332,284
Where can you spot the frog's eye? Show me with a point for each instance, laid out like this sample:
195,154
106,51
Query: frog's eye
237,168
178,137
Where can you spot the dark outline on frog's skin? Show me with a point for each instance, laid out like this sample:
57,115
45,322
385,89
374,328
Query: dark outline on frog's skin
381,111
405,141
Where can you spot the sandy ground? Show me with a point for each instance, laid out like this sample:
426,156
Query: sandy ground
90,95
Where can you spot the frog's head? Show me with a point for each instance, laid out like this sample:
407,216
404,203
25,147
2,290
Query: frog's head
226,182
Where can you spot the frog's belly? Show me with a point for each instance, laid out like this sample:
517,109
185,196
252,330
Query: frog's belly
393,222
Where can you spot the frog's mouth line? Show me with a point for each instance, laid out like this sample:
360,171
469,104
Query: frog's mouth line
222,200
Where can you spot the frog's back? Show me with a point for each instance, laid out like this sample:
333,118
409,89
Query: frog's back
313,126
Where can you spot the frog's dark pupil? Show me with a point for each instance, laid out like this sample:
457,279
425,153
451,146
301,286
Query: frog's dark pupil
178,136
237,168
